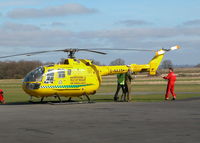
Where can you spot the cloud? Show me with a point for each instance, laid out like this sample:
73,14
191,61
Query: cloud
11,3
25,35
19,36
195,22
142,33
9,26
58,24
63,10
133,22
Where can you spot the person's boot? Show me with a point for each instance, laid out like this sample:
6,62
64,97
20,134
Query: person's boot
173,98
115,98
124,98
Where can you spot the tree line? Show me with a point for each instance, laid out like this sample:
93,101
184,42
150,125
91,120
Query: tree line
17,70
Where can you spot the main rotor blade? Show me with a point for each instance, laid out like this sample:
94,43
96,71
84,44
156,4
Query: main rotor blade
125,49
62,50
30,54
88,50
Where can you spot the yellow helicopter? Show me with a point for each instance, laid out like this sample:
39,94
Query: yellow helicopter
78,77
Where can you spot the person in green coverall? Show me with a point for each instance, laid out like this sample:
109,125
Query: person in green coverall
120,84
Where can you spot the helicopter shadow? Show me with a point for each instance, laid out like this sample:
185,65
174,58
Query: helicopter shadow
102,99
23,103
66,102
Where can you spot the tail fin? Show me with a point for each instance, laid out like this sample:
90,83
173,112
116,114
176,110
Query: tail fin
153,65
155,62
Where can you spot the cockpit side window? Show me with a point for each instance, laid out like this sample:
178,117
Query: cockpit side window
61,73
50,76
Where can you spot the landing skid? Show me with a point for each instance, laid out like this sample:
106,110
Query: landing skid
56,96
71,103
88,98
66,102
42,99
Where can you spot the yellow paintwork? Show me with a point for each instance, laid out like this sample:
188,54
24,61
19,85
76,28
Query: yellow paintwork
78,77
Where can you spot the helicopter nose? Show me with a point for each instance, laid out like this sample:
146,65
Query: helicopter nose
32,85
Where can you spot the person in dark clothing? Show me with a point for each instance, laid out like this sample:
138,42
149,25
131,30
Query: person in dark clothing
128,79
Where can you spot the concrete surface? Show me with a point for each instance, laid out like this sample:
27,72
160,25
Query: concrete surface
155,122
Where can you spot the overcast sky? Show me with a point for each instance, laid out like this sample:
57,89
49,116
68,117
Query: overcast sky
36,25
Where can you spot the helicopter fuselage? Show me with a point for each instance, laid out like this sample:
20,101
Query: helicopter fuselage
74,78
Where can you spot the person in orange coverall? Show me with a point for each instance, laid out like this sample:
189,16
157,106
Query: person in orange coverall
1,97
171,77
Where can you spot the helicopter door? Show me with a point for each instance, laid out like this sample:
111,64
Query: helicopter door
69,72
61,76
50,76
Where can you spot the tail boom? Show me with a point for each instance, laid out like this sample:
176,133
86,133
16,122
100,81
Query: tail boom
151,67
